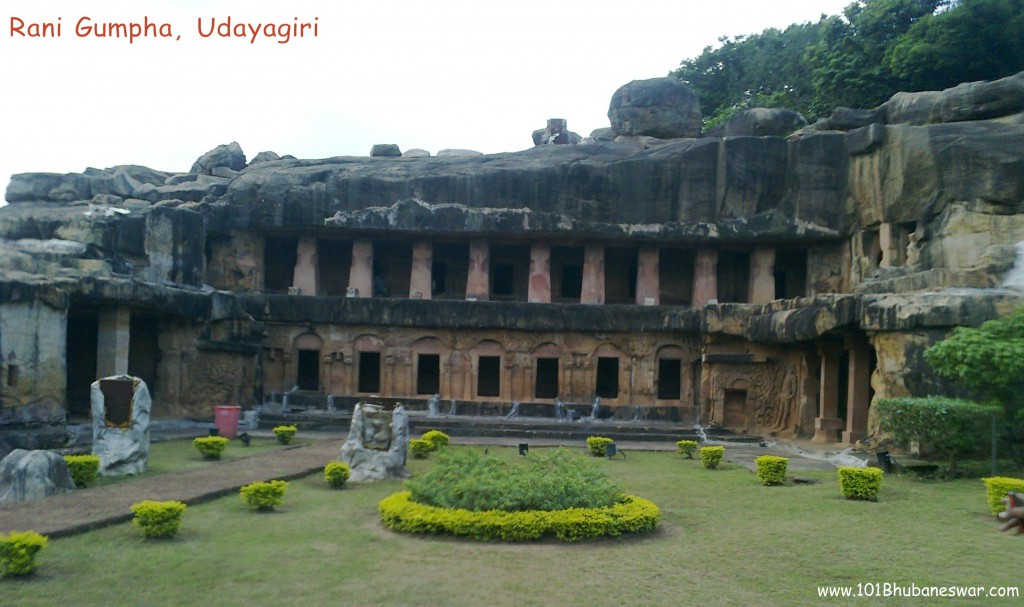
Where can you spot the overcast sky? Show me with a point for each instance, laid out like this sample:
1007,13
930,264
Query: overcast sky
430,74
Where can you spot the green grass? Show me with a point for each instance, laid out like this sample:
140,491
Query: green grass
181,454
724,540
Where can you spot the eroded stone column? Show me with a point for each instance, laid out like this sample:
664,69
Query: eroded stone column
762,275
305,278
360,278
422,266
705,277
593,275
647,291
112,343
858,392
478,278
540,273
827,425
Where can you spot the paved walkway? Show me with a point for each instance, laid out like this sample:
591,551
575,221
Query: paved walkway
93,507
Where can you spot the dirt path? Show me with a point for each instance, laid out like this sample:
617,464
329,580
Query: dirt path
85,509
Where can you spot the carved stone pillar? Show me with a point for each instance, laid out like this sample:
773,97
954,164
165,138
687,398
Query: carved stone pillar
762,275
306,278
828,424
705,277
112,343
478,282
422,265
360,281
593,275
540,273
647,291
858,391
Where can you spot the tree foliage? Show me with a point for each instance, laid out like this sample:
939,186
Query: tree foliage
952,427
989,358
860,58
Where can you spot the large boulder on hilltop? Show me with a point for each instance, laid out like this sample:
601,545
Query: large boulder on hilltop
385,150
760,122
967,101
660,107
229,155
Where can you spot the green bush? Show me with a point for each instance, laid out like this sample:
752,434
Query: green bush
210,446
687,447
771,469
158,519
553,479
18,552
860,483
630,515
336,473
420,448
598,445
436,438
285,434
264,496
711,456
83,468
952,427
996,488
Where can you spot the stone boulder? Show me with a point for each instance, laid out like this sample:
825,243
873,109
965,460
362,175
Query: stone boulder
32,475
603,134
385,150
660,107
759,122
267,156
120,424
229,155
556,132
458,153
377,444
416,153
967,101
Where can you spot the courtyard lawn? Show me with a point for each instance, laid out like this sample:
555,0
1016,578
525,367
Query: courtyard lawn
181,454
723,540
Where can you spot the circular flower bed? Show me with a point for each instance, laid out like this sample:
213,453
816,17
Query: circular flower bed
551,494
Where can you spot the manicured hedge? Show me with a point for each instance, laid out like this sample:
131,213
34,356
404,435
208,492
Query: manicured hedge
771,469
83,468
210,446
285,434
18,552
337,473
711,456
158,519
633,515
996,488
860,483
687,447
598,445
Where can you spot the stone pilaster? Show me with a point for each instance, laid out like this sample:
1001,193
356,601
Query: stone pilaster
478,279
593,275
422,266
540,273
647,289
360,278
705,278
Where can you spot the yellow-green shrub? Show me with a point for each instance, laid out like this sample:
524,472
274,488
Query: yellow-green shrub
711,456
18,552
633,515
771,469
83,468
210,446
158,519
420,448
860,483
436,438
264,496
336,473
996,488
285,434
687,447
598,445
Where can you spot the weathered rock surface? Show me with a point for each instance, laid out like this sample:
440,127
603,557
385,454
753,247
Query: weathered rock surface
660,107
229,155
33,475
266,156
760,122
377,444
416,153
120,432
458,153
